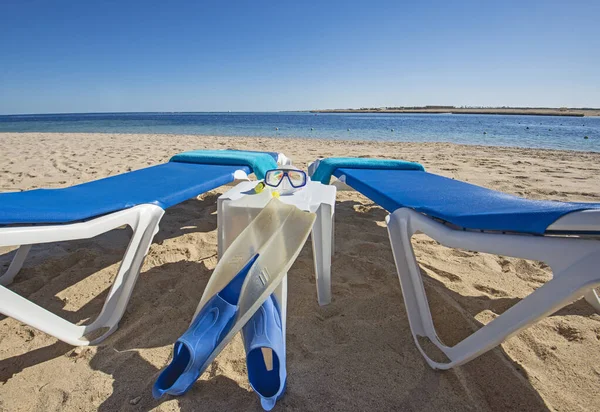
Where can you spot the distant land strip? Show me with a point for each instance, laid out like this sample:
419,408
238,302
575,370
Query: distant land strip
532,111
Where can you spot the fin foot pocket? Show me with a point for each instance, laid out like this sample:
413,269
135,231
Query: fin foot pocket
265,353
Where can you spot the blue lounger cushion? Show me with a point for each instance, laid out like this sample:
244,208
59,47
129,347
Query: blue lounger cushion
163,185
259,162
328,166
462,204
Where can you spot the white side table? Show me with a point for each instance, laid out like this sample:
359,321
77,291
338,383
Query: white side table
237,207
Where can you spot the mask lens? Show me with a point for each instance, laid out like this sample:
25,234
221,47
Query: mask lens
273,177
297,178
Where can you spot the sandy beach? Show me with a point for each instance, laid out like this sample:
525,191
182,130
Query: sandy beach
356,353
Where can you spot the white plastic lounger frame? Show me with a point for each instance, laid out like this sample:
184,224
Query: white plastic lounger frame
143,219
575,263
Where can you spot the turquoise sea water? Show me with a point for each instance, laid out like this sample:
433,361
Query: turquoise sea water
550,132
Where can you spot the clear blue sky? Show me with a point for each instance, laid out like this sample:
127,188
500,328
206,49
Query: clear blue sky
84,56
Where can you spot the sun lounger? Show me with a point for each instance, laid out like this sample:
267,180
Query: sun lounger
462,215
137,199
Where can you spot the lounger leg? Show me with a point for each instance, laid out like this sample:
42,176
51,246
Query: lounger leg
409,273
23,310
220,229
322,241
120,292
142,219
591,296
332,233
574,262
15,265
555,294
281,295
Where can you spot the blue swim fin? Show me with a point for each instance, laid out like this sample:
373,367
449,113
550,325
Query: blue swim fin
195,347
265,353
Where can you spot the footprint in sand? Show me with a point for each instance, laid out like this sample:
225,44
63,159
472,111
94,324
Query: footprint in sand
331,318
461,253
328,313
490,291
439,272
294,341
569,332
505,265
340,336
361,286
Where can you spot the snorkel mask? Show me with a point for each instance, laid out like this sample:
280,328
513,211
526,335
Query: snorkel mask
286,179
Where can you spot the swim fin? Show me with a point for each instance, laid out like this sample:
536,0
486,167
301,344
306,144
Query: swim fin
191,354
250,271
264,341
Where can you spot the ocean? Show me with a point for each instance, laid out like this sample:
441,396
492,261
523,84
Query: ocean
546,132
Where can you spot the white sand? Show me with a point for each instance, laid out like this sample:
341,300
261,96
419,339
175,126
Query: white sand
355,354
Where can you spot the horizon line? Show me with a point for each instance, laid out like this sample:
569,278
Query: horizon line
305,110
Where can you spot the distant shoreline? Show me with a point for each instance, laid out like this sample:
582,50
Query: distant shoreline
455,110
574,133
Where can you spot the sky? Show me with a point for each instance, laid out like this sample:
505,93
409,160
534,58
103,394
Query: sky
123,56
